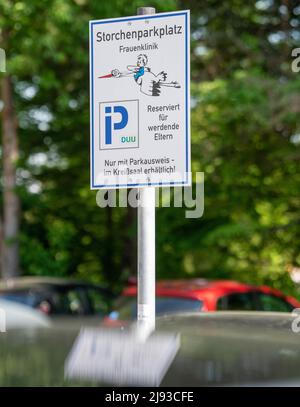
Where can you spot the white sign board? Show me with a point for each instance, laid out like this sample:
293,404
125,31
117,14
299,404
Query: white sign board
140,113
116,357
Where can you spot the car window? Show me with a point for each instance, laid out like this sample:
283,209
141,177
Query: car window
24,297
167,305
127,308
75,302
67,301
98,301
269,302
237,302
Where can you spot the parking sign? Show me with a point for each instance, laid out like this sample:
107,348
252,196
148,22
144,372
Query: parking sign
140,114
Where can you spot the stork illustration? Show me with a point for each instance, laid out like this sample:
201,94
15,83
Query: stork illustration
149,83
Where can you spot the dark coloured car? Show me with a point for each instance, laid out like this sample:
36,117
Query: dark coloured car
216,349
55,296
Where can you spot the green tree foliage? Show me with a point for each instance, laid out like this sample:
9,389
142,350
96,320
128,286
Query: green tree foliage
245,137
63,232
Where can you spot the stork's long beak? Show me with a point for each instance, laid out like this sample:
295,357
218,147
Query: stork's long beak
105,76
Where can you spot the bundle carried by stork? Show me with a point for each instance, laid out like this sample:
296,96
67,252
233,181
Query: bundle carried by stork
149,83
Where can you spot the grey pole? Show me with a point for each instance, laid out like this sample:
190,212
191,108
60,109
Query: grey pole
145,10
146,249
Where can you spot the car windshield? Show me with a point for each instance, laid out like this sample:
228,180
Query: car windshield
126,308
21,297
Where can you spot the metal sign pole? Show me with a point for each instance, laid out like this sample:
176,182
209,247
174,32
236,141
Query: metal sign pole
146,249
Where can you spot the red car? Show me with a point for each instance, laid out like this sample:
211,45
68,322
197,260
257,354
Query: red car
205,295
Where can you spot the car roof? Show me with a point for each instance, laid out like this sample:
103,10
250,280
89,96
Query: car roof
30,282
194,288
244,324
199,284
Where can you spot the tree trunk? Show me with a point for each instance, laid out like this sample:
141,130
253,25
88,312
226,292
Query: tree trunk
1,244
11,204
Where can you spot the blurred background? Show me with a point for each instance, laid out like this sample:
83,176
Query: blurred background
245,138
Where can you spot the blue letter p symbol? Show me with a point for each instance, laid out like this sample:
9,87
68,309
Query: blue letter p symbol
117,125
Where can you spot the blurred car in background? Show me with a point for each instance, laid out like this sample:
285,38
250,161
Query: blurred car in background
56,296
204,295
216,349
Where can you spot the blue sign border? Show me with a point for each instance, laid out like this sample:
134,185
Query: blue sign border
137,185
